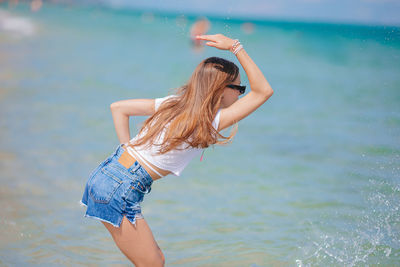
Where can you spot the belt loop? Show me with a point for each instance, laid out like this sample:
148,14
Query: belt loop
116,149
134,167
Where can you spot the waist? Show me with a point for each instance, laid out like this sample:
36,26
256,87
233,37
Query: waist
154,172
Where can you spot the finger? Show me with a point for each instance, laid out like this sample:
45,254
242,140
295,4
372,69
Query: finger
201,37
206,37
210,44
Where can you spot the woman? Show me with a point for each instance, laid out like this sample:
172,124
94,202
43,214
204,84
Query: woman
178,128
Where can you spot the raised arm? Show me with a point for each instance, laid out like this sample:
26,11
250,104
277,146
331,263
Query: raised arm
260,88
121,110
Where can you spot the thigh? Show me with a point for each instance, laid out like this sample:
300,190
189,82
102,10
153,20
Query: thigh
136,242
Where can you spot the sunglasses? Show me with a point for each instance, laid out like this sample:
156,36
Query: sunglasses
240,88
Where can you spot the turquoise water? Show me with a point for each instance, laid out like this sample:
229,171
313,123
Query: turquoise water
311,178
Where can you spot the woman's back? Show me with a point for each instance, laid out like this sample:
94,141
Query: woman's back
174,160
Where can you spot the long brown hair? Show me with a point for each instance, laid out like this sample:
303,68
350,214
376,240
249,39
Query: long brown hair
187,118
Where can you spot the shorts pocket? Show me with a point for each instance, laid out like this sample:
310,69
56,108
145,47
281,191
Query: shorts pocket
104,184
96,170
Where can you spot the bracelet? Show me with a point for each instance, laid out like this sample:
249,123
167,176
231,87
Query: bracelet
236,47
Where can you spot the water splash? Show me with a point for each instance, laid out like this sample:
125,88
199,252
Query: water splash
374,238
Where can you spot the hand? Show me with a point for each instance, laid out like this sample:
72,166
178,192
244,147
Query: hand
217,40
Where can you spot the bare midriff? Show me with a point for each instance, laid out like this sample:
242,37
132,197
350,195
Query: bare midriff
153,175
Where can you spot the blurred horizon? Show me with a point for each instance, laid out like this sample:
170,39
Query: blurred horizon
361,12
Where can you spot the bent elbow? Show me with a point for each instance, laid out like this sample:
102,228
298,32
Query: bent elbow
114,105
268,94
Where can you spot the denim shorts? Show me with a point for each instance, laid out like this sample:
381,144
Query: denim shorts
113,191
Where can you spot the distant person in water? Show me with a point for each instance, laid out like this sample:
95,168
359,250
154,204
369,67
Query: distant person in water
200,27
179,128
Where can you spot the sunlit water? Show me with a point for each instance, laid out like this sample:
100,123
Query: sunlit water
311,179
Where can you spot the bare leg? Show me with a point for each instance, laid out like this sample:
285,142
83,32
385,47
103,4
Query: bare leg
137,243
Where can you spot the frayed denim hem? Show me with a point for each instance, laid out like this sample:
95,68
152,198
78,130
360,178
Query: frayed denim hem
94,217
137,216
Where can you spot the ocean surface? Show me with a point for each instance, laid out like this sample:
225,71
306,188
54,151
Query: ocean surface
312,178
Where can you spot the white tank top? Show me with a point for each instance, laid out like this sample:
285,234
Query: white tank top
174,160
